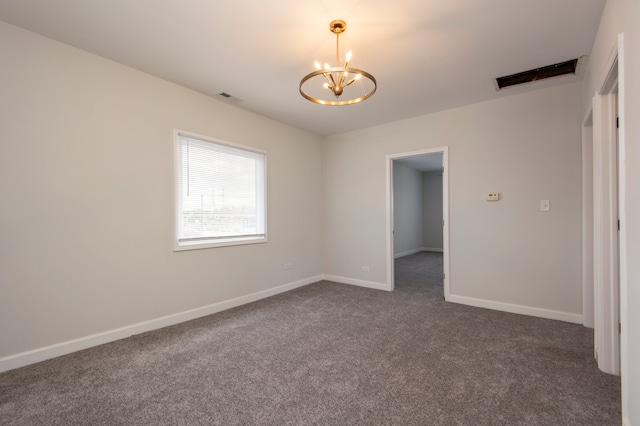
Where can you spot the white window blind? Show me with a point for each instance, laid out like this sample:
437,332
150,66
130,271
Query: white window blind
220,193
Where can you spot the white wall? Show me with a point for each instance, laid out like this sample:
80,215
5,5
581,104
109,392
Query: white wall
527,147
623,17
432,210
407,202
86,182
85,229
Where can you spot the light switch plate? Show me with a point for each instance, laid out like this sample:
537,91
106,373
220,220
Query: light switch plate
492,196
544,205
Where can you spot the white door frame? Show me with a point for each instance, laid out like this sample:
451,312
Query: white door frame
445,212
587,221
609,258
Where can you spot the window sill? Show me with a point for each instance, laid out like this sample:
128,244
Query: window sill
197,245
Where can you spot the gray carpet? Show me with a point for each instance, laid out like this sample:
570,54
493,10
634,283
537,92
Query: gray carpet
329,354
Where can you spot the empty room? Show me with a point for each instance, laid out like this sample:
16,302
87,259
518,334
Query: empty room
411,213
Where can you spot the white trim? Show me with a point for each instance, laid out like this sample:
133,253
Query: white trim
587,221
408,253
605,216
435,249
418,250
223,242
359,283
390,228
177,133
622,235
41,354
516,309
445,212
609,246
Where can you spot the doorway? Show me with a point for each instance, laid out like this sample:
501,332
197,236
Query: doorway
421,229
608,202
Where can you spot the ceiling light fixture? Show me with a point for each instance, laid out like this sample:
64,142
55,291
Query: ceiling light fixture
347,85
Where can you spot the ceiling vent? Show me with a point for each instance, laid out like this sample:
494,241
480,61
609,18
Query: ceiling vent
229,98
542,73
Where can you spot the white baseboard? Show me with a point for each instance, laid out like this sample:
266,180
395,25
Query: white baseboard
41,354
407,253
414,251
517,309
359,283
436,249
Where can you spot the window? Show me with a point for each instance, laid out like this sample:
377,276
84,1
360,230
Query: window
220,193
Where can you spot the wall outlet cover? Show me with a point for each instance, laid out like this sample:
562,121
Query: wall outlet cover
492,196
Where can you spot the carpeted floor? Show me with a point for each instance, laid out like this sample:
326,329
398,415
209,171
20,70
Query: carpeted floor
330,354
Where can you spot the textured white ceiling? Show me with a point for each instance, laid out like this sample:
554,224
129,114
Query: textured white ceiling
426,55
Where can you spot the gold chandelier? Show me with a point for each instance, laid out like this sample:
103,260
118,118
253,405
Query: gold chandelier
328,85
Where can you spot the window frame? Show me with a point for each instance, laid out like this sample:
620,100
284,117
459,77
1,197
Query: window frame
215,241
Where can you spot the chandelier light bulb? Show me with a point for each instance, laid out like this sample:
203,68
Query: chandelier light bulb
337,78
